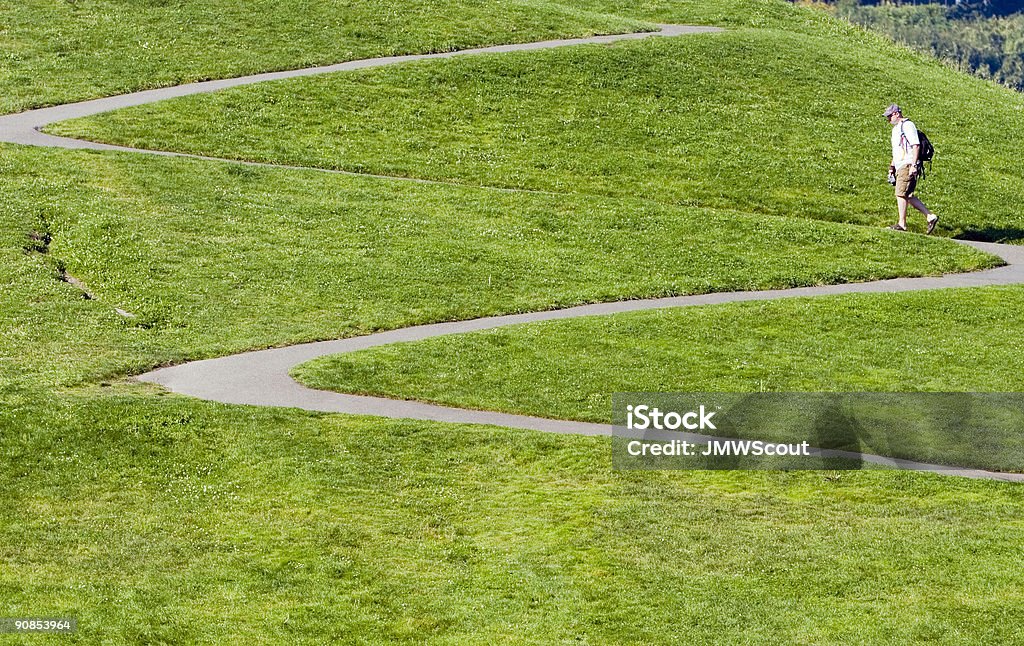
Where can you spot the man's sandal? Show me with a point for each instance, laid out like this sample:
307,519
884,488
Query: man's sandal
897,227
931,225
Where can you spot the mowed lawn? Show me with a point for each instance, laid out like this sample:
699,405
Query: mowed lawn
161,519
156,518
764,121
964,340
957,340
211,258
104,47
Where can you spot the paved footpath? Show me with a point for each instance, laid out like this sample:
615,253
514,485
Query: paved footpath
261,378
24,127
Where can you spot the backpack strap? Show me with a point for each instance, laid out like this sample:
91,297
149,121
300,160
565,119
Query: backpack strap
920,146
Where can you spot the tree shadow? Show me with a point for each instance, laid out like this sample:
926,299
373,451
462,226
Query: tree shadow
991,234
835,429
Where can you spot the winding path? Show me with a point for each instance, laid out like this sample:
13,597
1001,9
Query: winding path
24,127
262,378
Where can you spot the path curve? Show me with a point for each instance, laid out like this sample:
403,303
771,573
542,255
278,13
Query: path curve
24,127
262,378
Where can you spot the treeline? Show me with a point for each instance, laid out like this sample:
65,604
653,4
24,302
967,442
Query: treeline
957,8
983,37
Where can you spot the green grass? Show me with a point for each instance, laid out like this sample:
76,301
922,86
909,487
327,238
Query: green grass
215,258
938,341
154,518
103,47
160,519
763,121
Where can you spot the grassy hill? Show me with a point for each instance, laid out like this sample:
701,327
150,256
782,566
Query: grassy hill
213,258
936,341
761,120
103,47
157,518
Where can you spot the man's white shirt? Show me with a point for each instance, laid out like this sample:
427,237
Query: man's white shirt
904,137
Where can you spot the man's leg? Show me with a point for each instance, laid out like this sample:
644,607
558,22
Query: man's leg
901,209
904,189
930,217
905,185
919,205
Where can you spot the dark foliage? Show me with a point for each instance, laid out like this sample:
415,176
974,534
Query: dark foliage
983,37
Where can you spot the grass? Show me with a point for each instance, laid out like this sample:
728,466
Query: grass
214,258
763,121
938,341
941,341
105,47
163,519
154,518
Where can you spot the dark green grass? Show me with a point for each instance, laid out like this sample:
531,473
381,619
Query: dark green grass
214,258
167,520
756,120
102,47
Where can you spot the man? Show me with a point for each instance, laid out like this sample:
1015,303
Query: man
904,169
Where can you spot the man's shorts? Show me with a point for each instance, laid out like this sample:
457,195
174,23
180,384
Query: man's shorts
905,184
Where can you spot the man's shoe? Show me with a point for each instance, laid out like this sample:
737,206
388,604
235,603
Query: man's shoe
931,225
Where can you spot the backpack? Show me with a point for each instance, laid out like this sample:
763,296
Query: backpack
927,149
925,153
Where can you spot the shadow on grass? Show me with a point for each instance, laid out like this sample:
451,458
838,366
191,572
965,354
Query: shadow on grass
951,430
992,234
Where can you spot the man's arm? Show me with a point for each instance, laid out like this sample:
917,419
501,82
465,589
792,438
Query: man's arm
914,151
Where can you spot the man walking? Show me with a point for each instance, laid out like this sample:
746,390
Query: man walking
906,145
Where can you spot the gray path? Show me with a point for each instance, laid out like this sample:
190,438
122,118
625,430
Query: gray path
23,128
261,378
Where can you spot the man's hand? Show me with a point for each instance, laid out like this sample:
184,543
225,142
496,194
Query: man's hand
913,169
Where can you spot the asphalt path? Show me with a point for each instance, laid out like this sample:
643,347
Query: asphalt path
261,378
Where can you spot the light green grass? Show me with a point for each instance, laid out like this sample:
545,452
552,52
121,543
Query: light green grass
168,520
940,341
214,258
59,51
943,340
756,120
162,519
103,47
